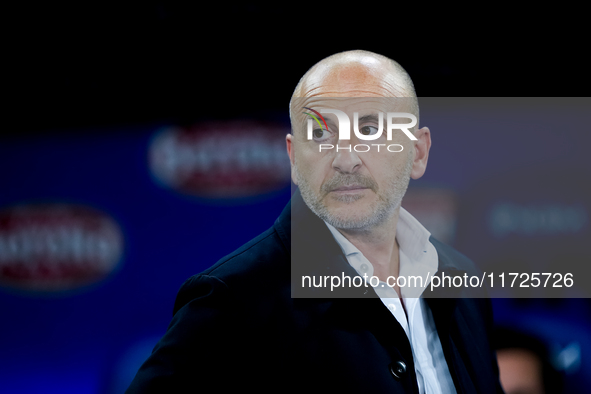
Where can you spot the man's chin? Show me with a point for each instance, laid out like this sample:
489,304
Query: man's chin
344,210
345,199
349,217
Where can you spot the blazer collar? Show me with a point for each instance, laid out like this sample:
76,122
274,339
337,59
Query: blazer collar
314,251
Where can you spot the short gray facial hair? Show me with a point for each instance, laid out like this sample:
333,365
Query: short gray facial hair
387,203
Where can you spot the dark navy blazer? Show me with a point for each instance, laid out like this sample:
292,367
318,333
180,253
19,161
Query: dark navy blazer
237,325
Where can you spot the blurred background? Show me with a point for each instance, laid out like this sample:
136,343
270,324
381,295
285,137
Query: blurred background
144,143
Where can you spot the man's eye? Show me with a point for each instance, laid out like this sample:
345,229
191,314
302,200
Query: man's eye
320,134
368,130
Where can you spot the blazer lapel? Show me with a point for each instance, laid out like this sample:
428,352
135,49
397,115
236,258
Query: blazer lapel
443,303
315,254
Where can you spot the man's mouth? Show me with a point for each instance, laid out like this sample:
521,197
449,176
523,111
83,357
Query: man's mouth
349,185
349,188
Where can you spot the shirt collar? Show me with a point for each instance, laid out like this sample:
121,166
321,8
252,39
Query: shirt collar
418,255
412,236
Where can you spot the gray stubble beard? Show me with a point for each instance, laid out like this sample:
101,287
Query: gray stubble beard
385,207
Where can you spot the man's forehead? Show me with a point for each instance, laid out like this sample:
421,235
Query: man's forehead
350,105
366,108
359,74
365,78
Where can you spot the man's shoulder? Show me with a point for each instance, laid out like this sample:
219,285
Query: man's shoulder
451,258
254,256
254,265
452,263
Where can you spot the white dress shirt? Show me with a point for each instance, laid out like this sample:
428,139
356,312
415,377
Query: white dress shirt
418,257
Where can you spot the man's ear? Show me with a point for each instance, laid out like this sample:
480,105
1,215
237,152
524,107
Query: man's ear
290,153
421,146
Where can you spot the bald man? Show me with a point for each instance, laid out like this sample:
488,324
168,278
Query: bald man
251,321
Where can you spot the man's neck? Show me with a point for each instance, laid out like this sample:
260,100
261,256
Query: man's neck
378,244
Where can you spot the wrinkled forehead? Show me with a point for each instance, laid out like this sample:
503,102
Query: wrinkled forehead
366,76
365,107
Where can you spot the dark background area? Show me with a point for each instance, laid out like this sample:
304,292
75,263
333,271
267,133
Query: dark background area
80,66
88,86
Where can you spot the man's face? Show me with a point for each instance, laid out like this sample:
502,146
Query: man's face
520,371
348,189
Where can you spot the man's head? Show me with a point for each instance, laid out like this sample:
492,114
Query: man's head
524,363
349,189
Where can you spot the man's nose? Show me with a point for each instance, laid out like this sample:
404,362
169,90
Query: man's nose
346,159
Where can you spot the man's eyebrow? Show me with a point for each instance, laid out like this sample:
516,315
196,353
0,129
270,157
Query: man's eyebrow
327,118
369,118
365,118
